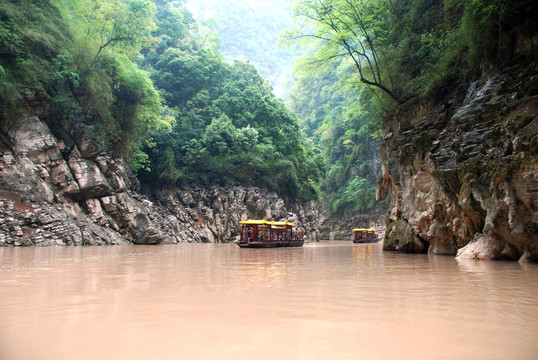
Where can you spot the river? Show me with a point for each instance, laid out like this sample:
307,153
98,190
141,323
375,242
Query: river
329,300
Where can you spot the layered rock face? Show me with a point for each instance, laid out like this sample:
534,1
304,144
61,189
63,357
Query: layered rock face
57,194
213,214
339,226
463,172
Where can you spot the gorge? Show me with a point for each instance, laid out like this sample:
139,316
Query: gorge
159,140
135,139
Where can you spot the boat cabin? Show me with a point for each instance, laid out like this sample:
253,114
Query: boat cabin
265,233
364,235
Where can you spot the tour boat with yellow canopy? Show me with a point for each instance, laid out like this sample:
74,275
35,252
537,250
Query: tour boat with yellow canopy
364,235
267,234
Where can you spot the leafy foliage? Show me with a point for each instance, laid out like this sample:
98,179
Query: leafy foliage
29,39
344,122
409,48
399,49
228,126
68,49
347,28
124,25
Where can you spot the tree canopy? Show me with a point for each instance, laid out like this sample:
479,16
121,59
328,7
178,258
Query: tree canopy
149,84
408,48
365,58
145,80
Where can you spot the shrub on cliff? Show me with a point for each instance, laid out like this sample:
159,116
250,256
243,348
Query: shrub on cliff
408,48
77,54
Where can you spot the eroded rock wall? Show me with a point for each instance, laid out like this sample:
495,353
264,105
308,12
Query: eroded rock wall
462,170
339,226
55,193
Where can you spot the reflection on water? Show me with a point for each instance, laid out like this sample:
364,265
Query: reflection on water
216,301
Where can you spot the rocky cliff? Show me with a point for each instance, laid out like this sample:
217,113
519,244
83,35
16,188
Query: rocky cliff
462,168
66,192
339,226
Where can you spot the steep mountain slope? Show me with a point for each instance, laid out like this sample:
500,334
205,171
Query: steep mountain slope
78,112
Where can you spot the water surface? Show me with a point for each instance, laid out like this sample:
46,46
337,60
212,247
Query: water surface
330,300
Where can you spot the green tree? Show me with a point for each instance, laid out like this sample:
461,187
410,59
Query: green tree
125,25
182,74
246,139
343,120
220,136
346,28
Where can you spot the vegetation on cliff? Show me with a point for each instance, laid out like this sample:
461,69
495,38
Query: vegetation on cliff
407,48
147,82
227,124
344,122
135,75
366,59
78,56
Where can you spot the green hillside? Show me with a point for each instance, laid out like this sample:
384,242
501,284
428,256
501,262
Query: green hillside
135,75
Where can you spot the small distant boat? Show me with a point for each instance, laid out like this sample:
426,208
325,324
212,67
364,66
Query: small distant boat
364,235
268,234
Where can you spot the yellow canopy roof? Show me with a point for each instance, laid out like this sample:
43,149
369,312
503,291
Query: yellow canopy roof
262,222
369,230
281,223
253,222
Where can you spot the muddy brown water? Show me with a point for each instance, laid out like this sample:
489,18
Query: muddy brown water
329,300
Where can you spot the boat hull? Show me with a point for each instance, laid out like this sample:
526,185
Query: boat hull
365,241
270,244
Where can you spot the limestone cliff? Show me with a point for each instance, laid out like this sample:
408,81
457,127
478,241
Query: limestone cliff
67,192
339,226
462,168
